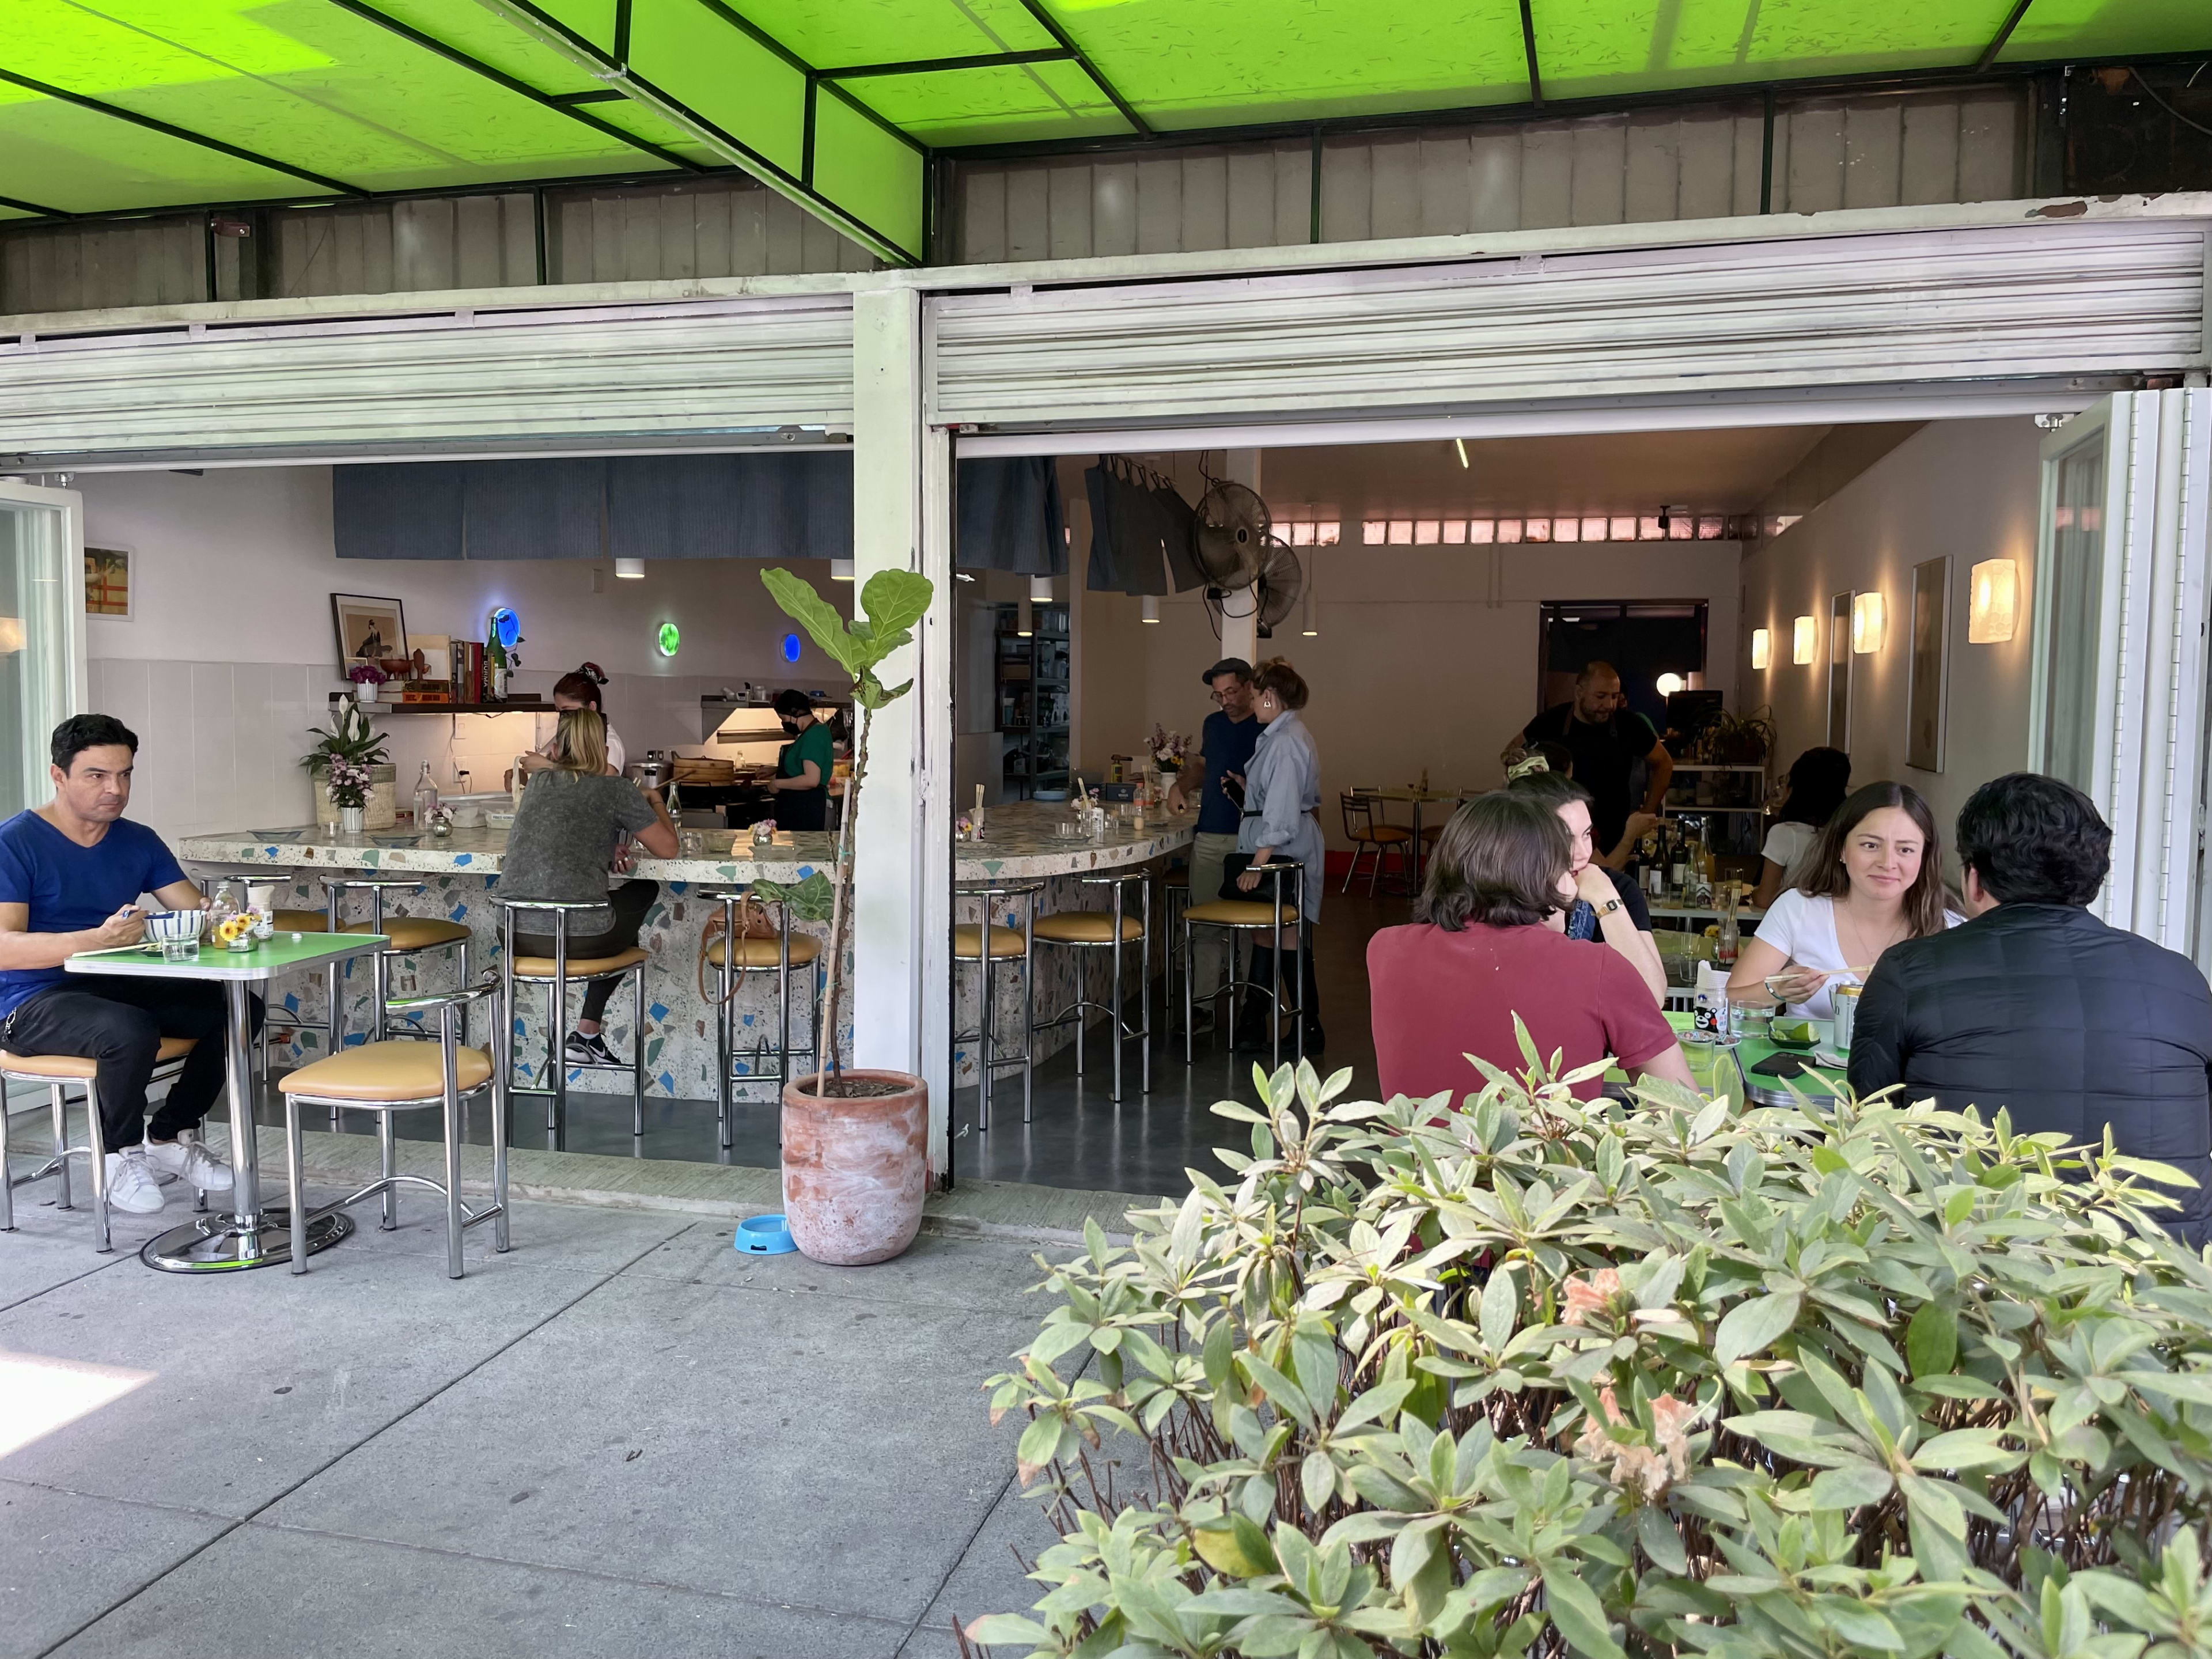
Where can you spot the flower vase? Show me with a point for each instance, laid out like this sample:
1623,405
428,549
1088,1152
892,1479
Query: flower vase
364,693
352,819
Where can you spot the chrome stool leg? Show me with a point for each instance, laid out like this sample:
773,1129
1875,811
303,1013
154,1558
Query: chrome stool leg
637,1056
1029,1003
58,1099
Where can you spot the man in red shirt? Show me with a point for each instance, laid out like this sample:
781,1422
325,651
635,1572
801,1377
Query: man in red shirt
1486,943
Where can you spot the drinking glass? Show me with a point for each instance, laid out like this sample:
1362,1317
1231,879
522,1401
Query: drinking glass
180,950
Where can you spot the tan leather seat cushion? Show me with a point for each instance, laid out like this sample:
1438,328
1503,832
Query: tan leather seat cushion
579,967
388,1070
415,933
1387,835
1242,912
72,1068
968,943
299,921
765,953
1086,927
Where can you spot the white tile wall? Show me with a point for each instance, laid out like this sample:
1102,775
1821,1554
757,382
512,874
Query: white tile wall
218,743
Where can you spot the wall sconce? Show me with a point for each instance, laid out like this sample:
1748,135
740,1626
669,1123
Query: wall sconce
840,570
1868,620
1762,645
11,635
1802,641
1993,602
1151,608
630,570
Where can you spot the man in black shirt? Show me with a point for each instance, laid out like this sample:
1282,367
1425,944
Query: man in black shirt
1607,740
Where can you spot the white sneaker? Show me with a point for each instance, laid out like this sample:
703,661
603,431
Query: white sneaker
191,1163
131,1183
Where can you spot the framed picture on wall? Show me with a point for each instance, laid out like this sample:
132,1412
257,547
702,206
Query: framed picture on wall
368,629
1931,664
107,582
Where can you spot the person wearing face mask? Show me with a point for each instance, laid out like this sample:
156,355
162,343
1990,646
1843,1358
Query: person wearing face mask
1487,942
1607,907
1872,880
802,769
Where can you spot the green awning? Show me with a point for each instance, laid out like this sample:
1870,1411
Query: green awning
149,104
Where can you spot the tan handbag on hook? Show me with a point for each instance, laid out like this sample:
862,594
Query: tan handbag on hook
753,921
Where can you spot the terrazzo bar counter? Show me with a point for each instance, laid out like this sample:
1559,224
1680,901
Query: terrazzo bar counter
460,873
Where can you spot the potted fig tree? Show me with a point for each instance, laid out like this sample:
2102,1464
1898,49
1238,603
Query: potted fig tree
855,1143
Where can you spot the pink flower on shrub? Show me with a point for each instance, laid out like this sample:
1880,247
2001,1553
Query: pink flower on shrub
1643,1472
1585,1296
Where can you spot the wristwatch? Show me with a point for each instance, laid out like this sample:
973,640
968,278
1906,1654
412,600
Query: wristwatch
1608,907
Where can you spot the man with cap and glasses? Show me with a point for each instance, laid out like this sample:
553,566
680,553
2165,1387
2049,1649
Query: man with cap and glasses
1226,743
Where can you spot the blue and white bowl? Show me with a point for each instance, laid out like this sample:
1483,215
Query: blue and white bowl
174,926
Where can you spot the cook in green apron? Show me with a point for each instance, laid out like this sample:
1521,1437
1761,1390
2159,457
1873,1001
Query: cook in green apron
802,780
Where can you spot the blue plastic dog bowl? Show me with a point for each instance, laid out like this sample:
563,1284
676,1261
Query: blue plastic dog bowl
765,1235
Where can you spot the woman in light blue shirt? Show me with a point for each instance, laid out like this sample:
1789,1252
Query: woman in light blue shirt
1282,791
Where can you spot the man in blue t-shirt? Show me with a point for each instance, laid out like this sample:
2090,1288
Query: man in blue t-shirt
1226,743
71,873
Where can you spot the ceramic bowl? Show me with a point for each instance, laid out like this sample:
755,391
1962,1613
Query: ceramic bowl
174,926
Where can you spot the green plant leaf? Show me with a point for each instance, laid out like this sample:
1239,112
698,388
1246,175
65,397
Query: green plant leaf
893,601
814,899
1850,1486
1579,1615
1931,1339
1752,1326
814,614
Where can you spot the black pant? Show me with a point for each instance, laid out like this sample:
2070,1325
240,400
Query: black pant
120,1025
630,902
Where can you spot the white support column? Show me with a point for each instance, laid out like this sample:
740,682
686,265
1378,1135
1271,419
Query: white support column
903,852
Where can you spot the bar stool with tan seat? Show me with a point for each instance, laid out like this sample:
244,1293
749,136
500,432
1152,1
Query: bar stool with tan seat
1107,929
1008,944
557,973
750,940
389,1076
1269,915
58,1073
408,935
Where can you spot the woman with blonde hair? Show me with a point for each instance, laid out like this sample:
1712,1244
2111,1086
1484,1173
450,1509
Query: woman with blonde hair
572,817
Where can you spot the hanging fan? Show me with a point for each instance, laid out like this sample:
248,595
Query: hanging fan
1227,533
1282,581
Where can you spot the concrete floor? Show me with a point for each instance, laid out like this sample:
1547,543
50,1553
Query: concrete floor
622,1437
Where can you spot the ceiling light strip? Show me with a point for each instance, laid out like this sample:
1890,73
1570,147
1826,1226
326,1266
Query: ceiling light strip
117,112
499,77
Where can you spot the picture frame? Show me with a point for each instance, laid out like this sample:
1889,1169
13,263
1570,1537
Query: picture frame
1929,689
368,629
109,593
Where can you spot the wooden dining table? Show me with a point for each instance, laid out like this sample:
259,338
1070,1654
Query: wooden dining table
1417,797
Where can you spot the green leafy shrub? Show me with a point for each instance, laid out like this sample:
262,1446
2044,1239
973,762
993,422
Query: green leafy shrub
1541,1376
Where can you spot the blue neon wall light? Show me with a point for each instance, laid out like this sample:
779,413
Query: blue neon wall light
791,647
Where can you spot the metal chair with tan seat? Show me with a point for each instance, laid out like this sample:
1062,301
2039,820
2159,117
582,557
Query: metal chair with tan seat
1107,929
1369,833
984,942
557,974
390,1076
1268,916
59,1074
747,939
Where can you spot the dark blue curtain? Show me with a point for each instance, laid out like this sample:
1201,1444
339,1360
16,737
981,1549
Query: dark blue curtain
730,507
398,512
1010,516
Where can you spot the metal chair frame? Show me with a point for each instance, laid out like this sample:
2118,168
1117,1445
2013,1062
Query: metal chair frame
1354,803
94,1150
731,978
1274,994
1123,1032
992,1057
451,1007
1174,899
336,888
556,1014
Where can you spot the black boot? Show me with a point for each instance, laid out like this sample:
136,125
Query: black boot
1257,1021
1310,1003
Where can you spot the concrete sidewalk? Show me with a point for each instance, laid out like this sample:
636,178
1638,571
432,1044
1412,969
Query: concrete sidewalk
621,1438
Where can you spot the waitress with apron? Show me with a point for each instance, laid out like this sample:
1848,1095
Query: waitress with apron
802,779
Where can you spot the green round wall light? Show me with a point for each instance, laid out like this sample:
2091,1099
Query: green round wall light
669,639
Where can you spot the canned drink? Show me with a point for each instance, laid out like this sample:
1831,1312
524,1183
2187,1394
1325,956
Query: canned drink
1846,1000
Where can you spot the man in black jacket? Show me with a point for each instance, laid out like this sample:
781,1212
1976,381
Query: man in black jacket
2037,1006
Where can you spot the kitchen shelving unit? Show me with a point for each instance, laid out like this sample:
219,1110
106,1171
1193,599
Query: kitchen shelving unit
1030,680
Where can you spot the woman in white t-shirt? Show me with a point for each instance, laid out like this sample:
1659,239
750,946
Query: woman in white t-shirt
1819,780
1873,879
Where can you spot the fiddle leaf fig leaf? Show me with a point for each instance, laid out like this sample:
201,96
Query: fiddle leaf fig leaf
893,601
810,900
816,616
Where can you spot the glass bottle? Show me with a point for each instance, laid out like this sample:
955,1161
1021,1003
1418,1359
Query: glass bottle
1724,953
426,799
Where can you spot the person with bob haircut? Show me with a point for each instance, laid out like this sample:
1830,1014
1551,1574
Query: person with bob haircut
1873,879
1488,941
1282,791
572,817
2036,1007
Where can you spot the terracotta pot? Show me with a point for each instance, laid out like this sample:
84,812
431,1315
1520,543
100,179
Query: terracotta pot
855,1171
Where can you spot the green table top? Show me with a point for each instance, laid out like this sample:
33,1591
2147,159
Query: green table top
266,960
1704,1057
